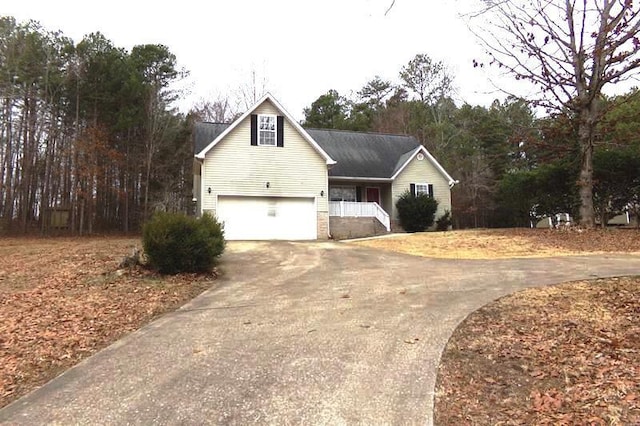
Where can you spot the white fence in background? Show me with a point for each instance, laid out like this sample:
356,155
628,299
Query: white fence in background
359,209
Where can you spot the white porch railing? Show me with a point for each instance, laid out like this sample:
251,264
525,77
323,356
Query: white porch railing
358,209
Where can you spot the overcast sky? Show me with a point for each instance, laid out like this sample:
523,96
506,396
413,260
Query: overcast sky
301,48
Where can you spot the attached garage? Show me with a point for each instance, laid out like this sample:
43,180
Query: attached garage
268,218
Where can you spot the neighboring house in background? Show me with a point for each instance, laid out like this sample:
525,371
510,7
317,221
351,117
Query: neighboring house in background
558,220
564,219
266,177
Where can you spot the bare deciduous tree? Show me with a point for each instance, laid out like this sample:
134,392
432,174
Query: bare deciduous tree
249,92
568,51
217,110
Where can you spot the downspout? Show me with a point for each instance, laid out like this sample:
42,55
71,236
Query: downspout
329,166
328,215
201,209
452,183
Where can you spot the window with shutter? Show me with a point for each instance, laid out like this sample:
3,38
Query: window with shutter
280,131
267,129
254,129
422,189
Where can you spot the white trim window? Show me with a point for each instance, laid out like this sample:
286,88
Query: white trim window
342,193
267,129
424,189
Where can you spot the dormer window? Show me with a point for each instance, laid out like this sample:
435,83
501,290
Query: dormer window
267,129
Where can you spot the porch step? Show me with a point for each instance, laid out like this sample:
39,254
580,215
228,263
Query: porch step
343,228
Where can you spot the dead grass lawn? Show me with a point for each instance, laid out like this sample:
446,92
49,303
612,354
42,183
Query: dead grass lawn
509,243
561,355
61,300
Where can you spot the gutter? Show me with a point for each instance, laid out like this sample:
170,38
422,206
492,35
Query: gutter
367,179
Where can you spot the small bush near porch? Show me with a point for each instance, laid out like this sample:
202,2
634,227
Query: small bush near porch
416,212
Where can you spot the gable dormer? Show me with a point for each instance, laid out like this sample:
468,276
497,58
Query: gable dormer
267,120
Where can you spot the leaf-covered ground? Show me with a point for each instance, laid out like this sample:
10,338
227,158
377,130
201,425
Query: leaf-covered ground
507,243
562,355
62,300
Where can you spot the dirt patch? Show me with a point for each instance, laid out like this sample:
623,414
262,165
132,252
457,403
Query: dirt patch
568,354
509,243
62,300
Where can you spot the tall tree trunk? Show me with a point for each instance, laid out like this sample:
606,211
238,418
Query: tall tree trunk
81,225
585,184
126,184
603,219
8,164
585,181
74,165
3,137
146,186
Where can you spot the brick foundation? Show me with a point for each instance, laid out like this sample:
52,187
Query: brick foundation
323,225
343,228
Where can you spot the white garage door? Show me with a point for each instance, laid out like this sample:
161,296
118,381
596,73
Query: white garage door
268,218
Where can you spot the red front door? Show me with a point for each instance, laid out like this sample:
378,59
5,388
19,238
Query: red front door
373,194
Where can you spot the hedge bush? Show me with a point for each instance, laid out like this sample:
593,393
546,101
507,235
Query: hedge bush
176,243
416,212
444,222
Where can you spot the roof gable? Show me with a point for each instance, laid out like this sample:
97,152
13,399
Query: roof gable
371,155
404,161
218,131
351,154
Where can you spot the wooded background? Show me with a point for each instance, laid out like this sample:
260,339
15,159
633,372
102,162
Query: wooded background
514,167
90,140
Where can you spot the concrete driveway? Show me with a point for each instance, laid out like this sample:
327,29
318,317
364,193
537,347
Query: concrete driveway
297,333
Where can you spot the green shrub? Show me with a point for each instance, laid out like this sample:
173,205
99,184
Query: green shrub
177,243
416,212
444,222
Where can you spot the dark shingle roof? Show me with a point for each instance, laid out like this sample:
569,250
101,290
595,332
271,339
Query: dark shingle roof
358,154
205,133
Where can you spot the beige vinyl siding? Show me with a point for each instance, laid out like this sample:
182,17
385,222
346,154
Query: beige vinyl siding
386,195
234,167
422,172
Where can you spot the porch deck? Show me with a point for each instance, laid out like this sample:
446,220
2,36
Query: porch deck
360,209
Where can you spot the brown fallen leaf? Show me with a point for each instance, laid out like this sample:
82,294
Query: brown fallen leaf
538,374
61,301
571,354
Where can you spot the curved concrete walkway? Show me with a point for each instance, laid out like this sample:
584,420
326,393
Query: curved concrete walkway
314,333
